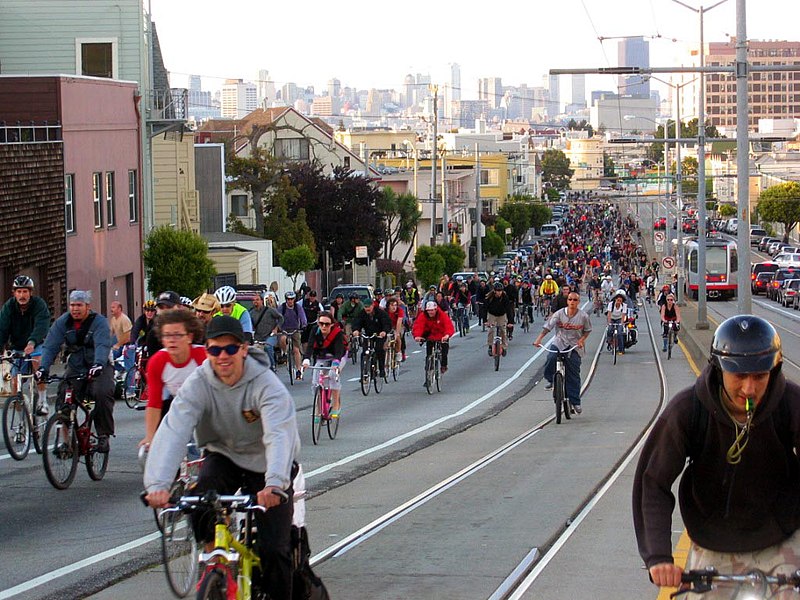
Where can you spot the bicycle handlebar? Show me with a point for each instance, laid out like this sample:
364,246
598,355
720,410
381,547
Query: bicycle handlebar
701,580
557,351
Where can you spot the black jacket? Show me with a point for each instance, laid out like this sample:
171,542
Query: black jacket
375,323
497,305
726,508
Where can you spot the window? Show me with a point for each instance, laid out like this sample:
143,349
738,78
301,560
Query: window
239,205
133,197
96,57
292,149
111,209
97,199
490,176
69,202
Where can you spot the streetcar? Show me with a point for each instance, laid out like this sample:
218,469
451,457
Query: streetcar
722,263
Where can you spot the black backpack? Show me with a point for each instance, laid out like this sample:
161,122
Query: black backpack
306,585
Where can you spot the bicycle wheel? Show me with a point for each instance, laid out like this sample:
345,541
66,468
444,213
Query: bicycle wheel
391,355
96,462
395,365
179,552
429,374
61,451
437,374
176,491
376,376
558,394
333,425
365,367
214,585
670,342
316,416
290,362
614,346
132,389
17,427
498,351
353,350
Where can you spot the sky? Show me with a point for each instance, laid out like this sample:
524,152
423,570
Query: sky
374,44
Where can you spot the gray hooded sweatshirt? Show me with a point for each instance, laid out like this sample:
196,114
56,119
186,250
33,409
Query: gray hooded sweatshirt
252,423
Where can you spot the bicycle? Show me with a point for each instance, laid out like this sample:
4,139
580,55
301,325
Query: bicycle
393,355
525,319
352,348
672,330
559,383
369,365
753,584
613,341
597,303
321,407
130,384
497,345
290,353
433,370
22,423
67,439
233,566
462,320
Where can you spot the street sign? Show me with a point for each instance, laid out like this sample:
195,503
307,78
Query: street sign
659,237
659,246
361,252
668,262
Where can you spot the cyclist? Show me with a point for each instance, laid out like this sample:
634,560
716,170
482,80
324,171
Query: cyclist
607,288
312,308
244,417
497,310
350,312
650,284
327,347
121,327
662,296
168,368
560,301
24,321
143,323
294,319
430,295
87,338
434,325
336,307
739,425
373,320
411,297
266,323
461,298
573,327
226,296
548,289
617,316
397,315
205,305
670,312
526,299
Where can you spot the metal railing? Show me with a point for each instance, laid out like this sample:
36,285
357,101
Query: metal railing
169,104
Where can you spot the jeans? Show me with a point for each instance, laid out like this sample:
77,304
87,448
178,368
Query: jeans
269,348
620,333
572,379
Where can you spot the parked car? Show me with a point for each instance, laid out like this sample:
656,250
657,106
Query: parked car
788,259
788,291
756,233
778,277
772,249
768,265
758,285
732,226
765,241
467,275
550,230
689,225
363,290
246,293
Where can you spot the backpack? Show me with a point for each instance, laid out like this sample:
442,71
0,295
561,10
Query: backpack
306,585
698,425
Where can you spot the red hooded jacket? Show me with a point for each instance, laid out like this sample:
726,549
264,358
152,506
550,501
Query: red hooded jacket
435,328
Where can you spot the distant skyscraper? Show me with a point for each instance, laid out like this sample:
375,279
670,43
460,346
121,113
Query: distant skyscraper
201,106
266,89
490,89
553,95
634,52
194,83
455,81
408,90
422,88
335,92
289,93
579,90
239,98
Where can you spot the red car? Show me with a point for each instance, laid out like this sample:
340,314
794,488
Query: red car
660,223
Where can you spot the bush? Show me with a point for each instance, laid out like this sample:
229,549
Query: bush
429,265
177,260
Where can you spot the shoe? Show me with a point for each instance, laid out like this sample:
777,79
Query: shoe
404,357
443,370
298,375
335,414
42,408
466,331
504,351
102,446
621,352
549,385
664,349
383,374
490,351
577,408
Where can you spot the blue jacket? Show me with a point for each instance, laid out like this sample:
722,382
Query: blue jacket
84,346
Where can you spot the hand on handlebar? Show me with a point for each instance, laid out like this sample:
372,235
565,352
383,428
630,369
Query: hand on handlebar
272,496
666,575
158,499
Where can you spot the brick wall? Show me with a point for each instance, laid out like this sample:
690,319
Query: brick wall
32,238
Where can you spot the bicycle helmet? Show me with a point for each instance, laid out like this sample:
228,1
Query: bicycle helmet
290,295
398,289
746,344
498,285
149,305
186,301
548,276
409,284
340,295
459,279
354,296
226,295
22,281
379,292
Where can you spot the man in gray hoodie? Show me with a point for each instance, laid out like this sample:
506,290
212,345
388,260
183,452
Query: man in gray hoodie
245,419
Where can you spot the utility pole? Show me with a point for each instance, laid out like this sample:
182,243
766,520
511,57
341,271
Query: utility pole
445,216
744,299
435,89
679,196
478,211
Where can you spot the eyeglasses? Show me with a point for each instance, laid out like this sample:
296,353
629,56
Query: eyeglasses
573,299
173,336
149,310
228,305
325,324
202,312
230,349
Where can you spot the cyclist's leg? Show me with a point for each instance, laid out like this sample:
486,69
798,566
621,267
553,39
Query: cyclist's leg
380,354
445,349
298,359
550,365
572,382
490,320
502,322
219,473
102,390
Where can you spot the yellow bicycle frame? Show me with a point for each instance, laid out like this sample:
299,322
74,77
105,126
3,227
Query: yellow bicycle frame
229,551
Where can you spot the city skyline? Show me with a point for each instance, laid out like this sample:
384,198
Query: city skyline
379,50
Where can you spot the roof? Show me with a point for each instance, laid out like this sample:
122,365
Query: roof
217,237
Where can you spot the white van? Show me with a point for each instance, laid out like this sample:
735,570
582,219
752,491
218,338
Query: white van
550,230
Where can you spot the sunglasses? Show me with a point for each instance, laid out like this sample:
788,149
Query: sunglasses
149,310
202,312
230,349
325,324
573,299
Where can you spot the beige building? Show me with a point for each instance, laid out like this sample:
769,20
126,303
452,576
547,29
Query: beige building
586,159
175,197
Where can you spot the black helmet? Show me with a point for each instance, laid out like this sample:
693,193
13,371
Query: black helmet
354,296
498,285
746,344
22,281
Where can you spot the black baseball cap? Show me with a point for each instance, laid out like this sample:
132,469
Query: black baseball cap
168,298
225,325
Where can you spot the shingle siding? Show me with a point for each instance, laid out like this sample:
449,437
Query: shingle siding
32,217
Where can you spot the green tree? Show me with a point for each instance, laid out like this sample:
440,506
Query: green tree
555,169
691,129
401,216
453,256
518,211
287,232
492,244
500,227
781,204
608,165
540,214
256,174
726,210
551,194
690,168
297,260
177,260
429,265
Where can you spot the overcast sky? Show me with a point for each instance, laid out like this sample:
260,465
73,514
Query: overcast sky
375,43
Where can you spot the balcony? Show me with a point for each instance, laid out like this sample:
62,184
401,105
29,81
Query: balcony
167,110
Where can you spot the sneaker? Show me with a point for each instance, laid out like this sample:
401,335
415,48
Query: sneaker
383,374
298,375
664,349
102,446
42,408
504,351
577,408
443,370
621,352
549,385
490,351
335,414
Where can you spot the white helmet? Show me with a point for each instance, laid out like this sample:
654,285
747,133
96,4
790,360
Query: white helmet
186,301
226,295
621,294
548,276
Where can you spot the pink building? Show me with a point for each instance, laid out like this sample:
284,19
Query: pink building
100,169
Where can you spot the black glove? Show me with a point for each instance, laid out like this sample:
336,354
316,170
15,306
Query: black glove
41,375
95,371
